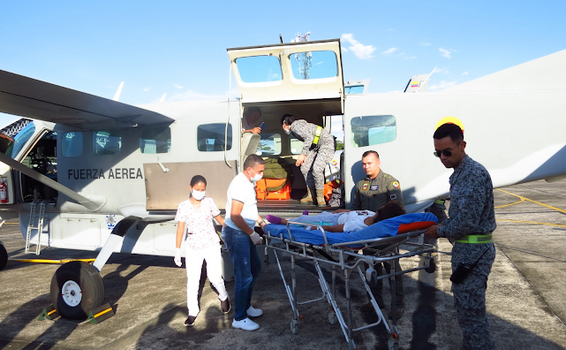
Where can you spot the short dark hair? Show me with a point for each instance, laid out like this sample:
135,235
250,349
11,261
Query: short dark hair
449,129
198,179
252,161
367,153
287,119
251,110
389,210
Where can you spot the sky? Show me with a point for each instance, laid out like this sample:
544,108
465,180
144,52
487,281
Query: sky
178,48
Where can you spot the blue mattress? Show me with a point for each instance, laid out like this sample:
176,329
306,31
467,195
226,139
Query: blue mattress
384,228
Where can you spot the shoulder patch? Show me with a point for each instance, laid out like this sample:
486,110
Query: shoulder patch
395,184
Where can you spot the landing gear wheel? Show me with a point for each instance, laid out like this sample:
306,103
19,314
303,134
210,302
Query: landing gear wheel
76,289
431,266
3,257
332,318
294,326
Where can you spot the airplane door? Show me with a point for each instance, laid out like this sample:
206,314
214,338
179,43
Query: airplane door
286,72
33,144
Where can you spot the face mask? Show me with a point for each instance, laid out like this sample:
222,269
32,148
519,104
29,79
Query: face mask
198,195
287,131
256,177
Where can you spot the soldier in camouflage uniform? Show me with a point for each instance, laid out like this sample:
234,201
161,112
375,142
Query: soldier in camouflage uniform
318,150
372,193
469,227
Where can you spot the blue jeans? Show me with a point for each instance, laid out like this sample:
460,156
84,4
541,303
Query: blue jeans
247,265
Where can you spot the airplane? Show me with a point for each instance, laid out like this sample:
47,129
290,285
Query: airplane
91,173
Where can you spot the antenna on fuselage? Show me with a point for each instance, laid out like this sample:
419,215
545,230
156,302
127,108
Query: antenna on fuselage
118,92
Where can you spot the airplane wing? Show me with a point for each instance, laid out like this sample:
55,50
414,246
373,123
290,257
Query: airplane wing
27,97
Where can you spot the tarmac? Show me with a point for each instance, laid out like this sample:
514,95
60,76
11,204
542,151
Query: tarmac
526,301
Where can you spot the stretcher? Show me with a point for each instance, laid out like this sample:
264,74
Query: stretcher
357,253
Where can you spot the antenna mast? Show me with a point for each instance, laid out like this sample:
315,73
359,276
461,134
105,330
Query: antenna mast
304,59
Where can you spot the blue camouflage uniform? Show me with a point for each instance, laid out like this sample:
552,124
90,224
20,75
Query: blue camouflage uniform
318,155
471,212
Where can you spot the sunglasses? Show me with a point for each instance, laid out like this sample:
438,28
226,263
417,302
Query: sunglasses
446,152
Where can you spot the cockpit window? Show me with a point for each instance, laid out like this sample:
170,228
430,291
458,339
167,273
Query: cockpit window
314,65
107,142
20,140
259,69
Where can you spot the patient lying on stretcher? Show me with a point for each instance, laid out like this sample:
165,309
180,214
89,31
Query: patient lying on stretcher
345,220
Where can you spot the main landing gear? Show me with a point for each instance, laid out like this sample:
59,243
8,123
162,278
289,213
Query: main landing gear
76,289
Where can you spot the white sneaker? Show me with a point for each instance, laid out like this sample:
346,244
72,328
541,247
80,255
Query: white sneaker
245,324
253,312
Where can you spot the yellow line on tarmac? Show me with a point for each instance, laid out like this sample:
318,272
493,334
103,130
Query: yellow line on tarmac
532,222
522,199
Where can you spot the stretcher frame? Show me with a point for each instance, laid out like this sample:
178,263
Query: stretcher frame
348,260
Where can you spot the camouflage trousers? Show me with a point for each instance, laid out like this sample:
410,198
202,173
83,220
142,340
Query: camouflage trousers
313,167
469,296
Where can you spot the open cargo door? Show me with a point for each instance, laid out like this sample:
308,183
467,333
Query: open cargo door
307,74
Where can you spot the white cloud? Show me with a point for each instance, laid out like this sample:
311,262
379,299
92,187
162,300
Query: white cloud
363,52
446,53
425,44
177,86
389,51
465,73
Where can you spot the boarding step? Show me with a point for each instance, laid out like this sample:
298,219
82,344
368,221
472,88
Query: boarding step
32,224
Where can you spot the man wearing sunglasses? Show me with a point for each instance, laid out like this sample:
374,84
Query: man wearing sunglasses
470,223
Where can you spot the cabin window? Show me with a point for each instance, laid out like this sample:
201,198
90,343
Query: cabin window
296,145
373,130
155,140
314,65
210,137
107,142
269,145
72,144
259,69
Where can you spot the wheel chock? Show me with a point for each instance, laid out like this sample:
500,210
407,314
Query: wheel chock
49,313
101,313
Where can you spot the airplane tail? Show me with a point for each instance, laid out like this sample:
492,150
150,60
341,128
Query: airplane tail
418,83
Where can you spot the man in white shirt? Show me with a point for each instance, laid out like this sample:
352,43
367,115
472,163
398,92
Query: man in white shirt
240,238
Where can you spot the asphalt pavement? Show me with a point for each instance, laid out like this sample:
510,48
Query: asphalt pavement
525,298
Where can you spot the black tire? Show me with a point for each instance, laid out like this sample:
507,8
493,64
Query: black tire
3,257
76,289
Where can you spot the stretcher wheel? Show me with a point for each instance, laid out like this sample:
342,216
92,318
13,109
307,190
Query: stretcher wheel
431,266
294,326
332,318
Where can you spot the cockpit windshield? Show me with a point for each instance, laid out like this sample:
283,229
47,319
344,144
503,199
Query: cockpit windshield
15,146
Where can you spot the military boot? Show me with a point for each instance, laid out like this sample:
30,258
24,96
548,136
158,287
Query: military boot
320,198
307,199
